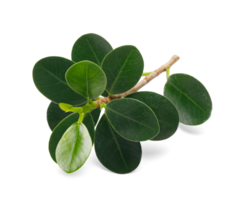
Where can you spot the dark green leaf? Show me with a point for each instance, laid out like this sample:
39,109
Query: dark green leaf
165,111
132,119
123,68
55,115
90,125
95,115
87,79
73,148
90,47
105,94
49,78
114,152
190,97
59,131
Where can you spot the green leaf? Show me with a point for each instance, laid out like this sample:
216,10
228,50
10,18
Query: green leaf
132,119
55,115
105,94
164,110
114,152
49,78
90,125
90,47
73,148
190,97
87,79
123,68
59,131
95,115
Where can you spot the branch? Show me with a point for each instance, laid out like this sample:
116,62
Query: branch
142,83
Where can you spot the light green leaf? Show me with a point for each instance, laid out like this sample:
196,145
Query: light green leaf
59,131
87,79
123,68
190,97
74,148
132,119
114,152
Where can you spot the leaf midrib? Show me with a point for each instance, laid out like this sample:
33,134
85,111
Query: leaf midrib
54,76
122,67
93,52
187,96
74,147
129,118
118,146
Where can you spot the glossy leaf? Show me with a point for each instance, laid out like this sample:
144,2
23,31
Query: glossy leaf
73,148
49,78
55,115
87,79
132,119
90,47
164,110
114,152
190,97
123,68
59,131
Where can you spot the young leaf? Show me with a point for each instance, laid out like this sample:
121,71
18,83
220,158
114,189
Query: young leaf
59,131
87,79
123,68
90,47
55,115
132,119
114,152
73,148
49,78
164,110
190,97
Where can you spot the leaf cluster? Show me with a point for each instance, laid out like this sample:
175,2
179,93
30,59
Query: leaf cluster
97,70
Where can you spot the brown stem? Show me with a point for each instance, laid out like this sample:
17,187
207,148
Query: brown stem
142,83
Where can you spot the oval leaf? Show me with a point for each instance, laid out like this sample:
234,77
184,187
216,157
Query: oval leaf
164,110
114,152
132,119
90,47
74,148
87,79
59,131
190,97
49,78
123,68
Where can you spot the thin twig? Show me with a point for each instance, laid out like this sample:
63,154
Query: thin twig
142,83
